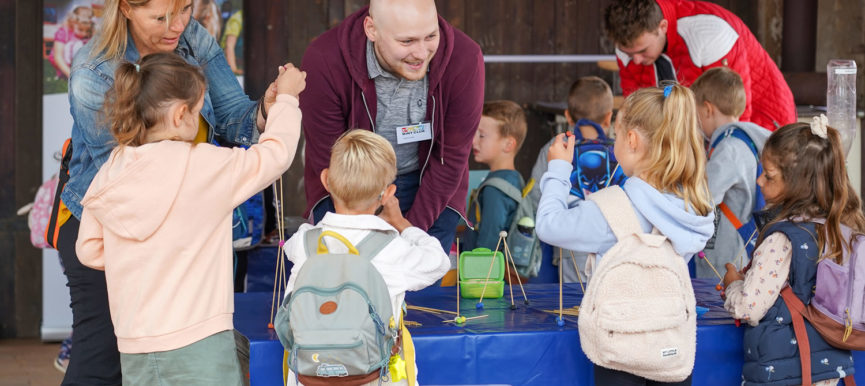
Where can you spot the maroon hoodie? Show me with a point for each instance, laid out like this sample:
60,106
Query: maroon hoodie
340,95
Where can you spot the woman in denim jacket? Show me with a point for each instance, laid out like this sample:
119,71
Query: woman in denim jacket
132,29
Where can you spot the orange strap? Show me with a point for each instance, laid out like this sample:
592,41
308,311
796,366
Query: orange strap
730,216
796,307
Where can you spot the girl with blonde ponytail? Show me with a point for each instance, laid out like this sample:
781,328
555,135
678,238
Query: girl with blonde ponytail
658,146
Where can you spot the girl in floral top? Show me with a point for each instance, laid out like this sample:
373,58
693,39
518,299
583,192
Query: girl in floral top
809,195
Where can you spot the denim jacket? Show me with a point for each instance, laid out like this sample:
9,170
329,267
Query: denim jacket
230,114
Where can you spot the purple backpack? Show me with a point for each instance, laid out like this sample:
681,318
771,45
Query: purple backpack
837,309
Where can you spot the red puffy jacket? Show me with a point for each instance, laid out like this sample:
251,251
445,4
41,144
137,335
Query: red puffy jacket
703,35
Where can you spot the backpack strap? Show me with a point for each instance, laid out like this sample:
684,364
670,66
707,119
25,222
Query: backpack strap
52,230
736,132
310,241
374,242
578,135
617,210
796,308
503,186
747,231
367,248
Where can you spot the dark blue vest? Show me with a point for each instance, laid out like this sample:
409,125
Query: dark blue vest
771,350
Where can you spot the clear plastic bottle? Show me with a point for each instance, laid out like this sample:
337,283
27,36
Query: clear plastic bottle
841,99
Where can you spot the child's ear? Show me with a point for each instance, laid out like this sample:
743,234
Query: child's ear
709,109
633,140
569,119
389,192
324,180
663,26
608,120
178,111
510,144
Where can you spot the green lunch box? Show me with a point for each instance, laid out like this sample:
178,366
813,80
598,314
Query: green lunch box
474,267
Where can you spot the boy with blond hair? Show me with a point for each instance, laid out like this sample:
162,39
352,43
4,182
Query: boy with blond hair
590,103
732,169
499,137
360,181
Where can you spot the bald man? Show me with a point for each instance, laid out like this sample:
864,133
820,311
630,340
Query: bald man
400,70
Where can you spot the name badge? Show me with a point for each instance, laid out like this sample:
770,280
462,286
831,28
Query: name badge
413,133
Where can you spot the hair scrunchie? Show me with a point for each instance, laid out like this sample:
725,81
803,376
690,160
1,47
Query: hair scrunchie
818,126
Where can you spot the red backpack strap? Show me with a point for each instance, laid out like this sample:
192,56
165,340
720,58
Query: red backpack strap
796,307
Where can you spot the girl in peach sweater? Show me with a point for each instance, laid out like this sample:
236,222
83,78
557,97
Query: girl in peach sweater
157,219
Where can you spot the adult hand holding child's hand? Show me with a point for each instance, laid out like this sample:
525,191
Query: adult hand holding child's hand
291,80
561,149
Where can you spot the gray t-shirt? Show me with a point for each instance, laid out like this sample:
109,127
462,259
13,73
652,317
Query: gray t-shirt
400,102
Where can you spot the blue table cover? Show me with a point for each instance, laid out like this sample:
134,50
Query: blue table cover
516,347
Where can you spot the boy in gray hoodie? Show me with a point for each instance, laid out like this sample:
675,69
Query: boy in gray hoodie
732,168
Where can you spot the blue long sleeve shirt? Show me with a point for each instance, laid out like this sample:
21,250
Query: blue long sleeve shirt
583,227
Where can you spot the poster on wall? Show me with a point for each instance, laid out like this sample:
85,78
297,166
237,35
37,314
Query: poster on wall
67,26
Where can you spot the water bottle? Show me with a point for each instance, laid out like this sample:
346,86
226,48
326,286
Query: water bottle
522,244
841,99
526,226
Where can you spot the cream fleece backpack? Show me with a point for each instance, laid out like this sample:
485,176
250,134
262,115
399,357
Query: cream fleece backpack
638,314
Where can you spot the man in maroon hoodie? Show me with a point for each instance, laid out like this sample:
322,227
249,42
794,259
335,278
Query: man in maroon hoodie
400,70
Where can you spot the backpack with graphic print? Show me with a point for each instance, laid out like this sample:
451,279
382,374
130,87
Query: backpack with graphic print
595,165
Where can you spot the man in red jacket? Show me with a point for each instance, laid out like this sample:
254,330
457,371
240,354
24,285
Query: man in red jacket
658,40
400,70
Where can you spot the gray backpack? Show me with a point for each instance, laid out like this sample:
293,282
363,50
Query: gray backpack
522,239
338,322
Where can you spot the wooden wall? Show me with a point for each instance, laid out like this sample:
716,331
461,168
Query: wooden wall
279,31
20,165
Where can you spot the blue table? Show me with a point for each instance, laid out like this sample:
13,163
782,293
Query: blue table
519,347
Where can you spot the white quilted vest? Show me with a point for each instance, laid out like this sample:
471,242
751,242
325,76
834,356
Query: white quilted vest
638,314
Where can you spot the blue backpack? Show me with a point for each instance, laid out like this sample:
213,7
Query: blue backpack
595,165
247,219
747,231
247,223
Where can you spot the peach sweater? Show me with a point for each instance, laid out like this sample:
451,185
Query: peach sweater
157,219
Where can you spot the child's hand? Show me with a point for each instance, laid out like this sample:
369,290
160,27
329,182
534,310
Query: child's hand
560,149
392,214
291,80
732,274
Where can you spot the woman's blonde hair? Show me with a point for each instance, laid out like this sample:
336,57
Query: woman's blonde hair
362,164
111,39
676,159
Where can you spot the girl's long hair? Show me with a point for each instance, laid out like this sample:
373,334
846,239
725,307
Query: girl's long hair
815,185
676,157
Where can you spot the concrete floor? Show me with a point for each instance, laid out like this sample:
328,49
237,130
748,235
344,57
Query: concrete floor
28,362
